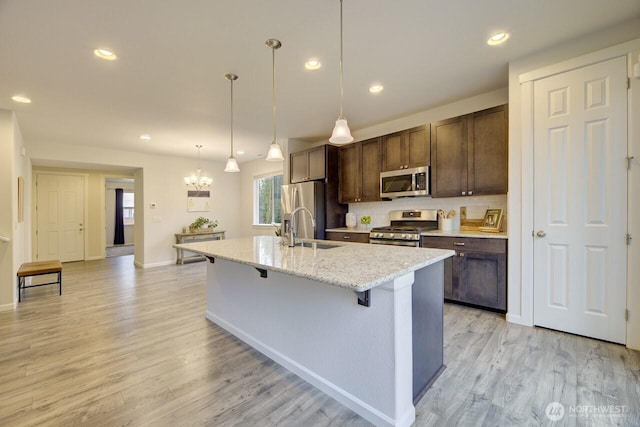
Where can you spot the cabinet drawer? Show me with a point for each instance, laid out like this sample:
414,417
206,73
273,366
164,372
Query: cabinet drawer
346,236
498,246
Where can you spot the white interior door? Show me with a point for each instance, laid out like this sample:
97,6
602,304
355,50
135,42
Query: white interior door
60,217
580,201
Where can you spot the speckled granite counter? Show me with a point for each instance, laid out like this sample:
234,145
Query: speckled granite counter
460,233
353,266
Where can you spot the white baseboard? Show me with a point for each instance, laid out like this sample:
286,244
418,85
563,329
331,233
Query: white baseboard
94,258
8,307
155,264
517,319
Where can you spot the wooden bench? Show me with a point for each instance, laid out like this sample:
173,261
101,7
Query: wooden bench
30,269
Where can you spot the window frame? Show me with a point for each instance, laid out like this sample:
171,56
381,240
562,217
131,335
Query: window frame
128,219
256,197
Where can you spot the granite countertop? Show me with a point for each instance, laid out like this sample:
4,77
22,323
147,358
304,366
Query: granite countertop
353,266
350,230
465,233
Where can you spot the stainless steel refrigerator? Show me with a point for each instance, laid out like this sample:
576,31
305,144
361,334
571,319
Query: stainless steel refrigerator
310,195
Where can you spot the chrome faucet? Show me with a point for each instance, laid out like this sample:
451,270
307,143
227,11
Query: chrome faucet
292,225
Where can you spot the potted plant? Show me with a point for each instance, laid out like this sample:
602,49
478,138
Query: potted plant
365,220
202,223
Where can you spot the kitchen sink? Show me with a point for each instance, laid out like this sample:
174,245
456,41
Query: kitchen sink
315,245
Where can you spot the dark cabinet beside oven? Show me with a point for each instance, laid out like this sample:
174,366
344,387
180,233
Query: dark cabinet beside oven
469,154
308,165
406,149
477,273
347,236
359,166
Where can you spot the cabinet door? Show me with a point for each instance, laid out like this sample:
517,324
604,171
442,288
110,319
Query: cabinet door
448,278
298,167
349,170
392,152
370,170
418,147
480,279
488,158
340,236
449,157
316,164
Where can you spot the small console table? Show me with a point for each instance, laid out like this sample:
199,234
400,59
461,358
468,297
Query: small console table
198,236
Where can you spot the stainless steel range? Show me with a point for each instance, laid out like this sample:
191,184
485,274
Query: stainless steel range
405,228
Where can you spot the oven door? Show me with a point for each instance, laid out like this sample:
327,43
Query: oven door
411,243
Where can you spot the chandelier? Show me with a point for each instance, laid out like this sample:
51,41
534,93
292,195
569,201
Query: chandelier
198,181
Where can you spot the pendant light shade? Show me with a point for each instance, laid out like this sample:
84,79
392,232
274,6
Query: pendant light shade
275,152
232,164
341,133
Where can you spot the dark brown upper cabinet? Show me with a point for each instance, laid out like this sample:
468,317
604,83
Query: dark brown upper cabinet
359,166
308,165
470,154
406,149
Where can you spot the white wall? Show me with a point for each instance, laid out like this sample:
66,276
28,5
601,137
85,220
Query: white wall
12,165
248,172
159,180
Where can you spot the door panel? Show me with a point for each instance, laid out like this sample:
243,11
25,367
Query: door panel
580,201
60,217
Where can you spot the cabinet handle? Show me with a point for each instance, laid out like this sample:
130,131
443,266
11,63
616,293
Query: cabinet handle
346,236
464,193
458,243
460,254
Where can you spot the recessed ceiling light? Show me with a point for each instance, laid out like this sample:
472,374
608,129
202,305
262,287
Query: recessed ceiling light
105,54
240,152
313,64
498,38
22,99
145,137
377,88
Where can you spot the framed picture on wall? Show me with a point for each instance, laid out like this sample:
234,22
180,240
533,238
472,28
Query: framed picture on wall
492,221
198,201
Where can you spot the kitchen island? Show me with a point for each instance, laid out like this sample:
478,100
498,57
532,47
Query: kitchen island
363,323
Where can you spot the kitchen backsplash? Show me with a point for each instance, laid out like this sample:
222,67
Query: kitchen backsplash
379,211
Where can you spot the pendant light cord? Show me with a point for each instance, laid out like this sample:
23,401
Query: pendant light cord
341,71
273,68
231,154
199,147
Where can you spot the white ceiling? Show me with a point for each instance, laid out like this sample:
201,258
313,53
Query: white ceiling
169,81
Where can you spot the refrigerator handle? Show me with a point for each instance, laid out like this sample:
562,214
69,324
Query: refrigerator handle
294,205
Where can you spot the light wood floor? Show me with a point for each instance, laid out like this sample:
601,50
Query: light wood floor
126,346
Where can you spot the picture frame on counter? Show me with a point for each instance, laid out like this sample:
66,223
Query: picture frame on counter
492,222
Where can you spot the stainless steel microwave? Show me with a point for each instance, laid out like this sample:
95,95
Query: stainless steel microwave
404,183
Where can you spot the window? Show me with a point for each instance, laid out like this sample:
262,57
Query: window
127,208
266,196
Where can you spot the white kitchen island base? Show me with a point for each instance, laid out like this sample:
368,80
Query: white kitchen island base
361,356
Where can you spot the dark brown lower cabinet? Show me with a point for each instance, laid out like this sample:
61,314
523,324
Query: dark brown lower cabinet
477,273
346,236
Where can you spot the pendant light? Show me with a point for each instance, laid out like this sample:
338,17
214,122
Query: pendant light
232,164
198,181
275,152
341,133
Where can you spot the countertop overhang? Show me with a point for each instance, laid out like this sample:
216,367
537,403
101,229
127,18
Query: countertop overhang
354,266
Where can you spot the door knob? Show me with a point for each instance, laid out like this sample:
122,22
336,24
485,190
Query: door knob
541,233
